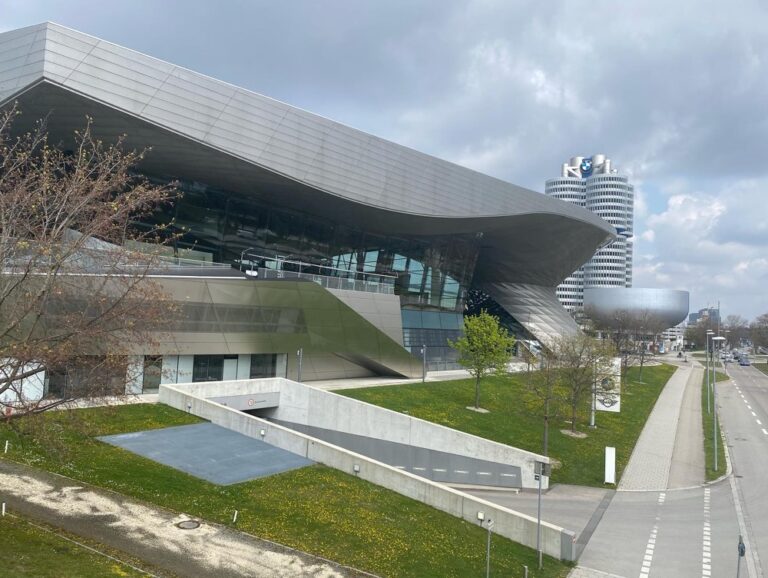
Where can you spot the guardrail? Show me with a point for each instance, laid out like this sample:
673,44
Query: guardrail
265,267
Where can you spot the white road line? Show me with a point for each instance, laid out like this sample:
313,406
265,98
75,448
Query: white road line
439,470
752,559
765,431
645,568
483,473
460,471
749,406
754,414
509,475
706,539
759,422
419,469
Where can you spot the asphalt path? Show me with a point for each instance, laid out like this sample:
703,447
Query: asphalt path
743,403
677,533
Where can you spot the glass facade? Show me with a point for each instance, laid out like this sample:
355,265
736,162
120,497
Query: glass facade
431,330
216,226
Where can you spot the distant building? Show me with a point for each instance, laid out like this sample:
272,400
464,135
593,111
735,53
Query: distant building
590,182
707,315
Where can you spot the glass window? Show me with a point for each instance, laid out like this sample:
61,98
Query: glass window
209,367
153,370
263,365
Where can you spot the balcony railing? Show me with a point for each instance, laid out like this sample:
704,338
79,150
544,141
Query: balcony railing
258,266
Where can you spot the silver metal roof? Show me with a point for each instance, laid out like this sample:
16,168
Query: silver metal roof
212,131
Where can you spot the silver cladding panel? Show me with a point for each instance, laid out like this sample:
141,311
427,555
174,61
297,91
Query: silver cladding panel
303,146
669,305
214,132
536,308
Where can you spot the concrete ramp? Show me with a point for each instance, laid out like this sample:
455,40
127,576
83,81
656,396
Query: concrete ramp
216,454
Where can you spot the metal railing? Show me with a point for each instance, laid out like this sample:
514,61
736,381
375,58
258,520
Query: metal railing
275,267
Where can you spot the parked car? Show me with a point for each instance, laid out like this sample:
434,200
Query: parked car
744,360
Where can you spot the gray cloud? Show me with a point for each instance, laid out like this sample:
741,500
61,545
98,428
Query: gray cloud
673,92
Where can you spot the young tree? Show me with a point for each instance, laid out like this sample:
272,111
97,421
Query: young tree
544,394
73,296
584,362
484,348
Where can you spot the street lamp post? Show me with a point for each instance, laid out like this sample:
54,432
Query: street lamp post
706,367
714,401
541,469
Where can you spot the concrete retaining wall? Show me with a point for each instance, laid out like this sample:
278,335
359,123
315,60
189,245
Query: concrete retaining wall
556,541
306,405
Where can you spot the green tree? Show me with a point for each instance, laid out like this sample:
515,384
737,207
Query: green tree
484,348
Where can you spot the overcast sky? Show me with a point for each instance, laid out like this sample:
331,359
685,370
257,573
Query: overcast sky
674,92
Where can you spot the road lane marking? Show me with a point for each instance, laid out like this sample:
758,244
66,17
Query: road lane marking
765,431
419,469
706,540
754,414
749,406
461,471
759,422
439,470
645,568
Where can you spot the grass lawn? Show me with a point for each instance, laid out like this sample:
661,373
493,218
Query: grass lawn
762,367
33,551
316,509
511,422
708,419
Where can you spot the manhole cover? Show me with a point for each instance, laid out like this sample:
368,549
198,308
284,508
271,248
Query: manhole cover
188,525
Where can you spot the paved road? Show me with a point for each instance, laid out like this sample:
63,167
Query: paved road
672,530
677,533
744,413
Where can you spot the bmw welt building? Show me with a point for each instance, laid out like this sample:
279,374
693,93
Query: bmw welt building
308,235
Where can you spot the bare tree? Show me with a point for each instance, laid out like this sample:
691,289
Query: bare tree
759,332
630,332
584,362
736,329
544,394
74,299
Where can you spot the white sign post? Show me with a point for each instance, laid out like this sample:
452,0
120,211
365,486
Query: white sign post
610,465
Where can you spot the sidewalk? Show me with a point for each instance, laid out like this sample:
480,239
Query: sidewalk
151,534
651,461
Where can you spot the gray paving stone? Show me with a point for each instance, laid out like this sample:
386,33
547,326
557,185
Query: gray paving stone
649,465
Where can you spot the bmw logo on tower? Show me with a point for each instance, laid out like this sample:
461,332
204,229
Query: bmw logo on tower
586,167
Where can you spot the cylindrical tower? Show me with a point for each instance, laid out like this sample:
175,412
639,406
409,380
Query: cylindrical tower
610,197
590,182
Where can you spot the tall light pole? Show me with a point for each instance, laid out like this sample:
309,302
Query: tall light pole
706,366
714,401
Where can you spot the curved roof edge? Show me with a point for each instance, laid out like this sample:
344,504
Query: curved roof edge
286,140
